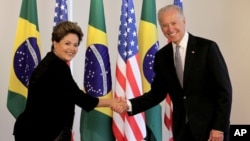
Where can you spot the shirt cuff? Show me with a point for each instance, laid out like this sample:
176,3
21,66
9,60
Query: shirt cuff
129,106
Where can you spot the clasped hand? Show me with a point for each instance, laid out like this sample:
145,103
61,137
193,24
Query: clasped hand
120,105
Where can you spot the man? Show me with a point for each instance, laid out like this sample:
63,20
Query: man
202,97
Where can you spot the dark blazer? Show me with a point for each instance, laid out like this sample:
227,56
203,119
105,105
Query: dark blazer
206,95
52,95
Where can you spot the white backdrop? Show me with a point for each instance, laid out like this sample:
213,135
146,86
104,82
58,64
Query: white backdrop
225,21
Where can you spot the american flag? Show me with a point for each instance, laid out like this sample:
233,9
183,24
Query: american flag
61,11
128,77
168,119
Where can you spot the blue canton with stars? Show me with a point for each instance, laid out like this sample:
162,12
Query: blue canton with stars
97,77
128,43
26,58
61,11
178,3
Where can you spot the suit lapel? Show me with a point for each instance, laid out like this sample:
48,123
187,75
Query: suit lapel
170,67
190,57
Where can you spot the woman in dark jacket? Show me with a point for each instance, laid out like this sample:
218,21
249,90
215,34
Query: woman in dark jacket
53,93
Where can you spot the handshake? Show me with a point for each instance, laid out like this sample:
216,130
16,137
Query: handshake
119,105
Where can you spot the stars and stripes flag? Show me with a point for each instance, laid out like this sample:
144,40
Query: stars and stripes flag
148,46
26,56
96,125
169,105
167,129
128,77
61,11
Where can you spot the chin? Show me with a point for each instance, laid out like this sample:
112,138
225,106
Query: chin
67,60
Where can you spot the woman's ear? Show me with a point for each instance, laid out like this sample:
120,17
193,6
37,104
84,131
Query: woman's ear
54,44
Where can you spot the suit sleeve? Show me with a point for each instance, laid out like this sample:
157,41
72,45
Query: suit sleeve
222,85
154,96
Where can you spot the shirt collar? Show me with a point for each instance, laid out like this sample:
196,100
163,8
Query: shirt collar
183,42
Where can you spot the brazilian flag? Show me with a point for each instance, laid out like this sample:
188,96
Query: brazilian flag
148,46
26,56
96,125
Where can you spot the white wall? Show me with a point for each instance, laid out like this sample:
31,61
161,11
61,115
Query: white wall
225,21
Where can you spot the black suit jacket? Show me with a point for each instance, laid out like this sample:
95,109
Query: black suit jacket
52,95
206,95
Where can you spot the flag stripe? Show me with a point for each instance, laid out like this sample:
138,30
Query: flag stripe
128,77
118,129
133,122
132,76
121,81
168,117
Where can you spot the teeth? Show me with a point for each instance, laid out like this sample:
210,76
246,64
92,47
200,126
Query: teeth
172,34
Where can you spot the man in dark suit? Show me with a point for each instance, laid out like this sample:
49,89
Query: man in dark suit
202,98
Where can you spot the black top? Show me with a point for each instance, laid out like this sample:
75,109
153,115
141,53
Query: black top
52,95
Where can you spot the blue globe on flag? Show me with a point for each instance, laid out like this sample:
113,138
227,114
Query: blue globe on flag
97,77
26,58
148,62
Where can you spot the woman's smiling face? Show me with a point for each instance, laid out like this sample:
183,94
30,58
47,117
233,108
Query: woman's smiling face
67,47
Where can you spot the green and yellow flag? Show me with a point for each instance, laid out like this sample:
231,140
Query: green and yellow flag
148,46
26,56
96,125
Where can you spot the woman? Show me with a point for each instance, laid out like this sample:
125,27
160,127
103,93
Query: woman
52,92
